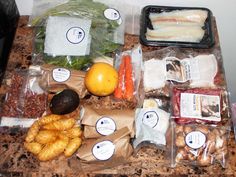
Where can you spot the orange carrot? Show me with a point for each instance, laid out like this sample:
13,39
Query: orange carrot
129,83
118,93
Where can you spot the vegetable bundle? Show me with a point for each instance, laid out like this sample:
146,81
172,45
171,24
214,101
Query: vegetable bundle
102,32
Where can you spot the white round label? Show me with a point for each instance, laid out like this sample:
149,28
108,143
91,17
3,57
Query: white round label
150,118
105,126
112,14
60,74
103,150
75,35
195,139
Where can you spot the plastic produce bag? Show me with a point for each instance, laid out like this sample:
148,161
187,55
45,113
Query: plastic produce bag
130,68
200,145
129,11
105,35
24,98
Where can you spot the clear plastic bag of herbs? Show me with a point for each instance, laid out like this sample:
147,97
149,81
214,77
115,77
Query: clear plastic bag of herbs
105,38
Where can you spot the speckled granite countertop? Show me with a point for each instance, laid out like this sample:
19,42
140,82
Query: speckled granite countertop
15,161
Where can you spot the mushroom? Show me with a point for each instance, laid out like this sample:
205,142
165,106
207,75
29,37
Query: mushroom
216,132
179,129
181,155
180,141
203,129
211,137
221,154
220,142
210,146
192,157
188,129
204,159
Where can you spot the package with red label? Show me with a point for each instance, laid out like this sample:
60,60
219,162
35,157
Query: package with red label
206,105
200,145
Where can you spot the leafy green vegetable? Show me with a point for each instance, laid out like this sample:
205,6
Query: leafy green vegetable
102,32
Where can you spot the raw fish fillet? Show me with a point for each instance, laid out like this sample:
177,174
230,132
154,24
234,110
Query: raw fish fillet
179,17
176,33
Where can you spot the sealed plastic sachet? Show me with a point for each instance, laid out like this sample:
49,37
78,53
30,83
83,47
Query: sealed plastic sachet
203,105
129,65
25,98
174,66
151,127
200,145
73,33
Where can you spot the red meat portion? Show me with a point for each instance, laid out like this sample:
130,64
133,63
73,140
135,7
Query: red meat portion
176,98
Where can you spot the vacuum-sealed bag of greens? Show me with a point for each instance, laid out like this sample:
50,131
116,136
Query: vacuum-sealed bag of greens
72,33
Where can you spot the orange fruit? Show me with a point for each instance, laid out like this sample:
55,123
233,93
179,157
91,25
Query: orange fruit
101,79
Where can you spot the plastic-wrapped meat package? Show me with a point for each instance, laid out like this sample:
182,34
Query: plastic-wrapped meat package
206,105
200,145
172,66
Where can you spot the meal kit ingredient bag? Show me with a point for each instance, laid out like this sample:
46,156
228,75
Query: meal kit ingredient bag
72,33
106,152
105,122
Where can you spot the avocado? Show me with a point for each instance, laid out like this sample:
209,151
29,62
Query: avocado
64,102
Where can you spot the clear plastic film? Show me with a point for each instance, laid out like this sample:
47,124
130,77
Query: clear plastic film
25,98
202,105
96,28
129,65
130,11
200,145
174,66
151,127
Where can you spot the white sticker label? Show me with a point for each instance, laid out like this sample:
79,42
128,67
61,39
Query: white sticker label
195,139
200,106
105,126
60,74
150,119
103,150
112,14
75,35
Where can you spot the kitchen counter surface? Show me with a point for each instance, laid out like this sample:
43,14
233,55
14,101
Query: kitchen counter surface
16,161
